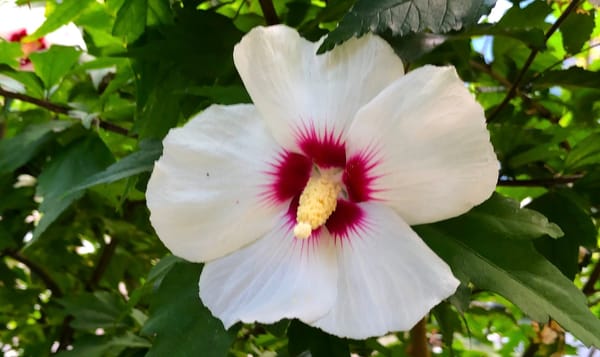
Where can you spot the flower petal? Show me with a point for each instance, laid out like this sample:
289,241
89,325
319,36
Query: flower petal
388,278
426,134
205,191
274,278
297,91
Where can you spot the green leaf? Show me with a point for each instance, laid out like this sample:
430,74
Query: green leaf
102,346
448,320
221,94
513,269
180,322
584,153
574,77
98,310
503,216
304,338
576,30
132,164
64,13
10,52
401,17
73,165
52,65
575,222
18,150
131,20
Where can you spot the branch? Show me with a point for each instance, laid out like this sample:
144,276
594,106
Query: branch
63,109
418,340
37,270
107,254
515,86
588,288
269,12
554,181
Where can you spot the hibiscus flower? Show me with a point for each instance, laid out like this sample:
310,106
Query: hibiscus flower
18,22
301,204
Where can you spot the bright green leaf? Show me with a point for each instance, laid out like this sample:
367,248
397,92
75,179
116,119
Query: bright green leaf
10,52
52,65
131,20
65,12
401,17
180,322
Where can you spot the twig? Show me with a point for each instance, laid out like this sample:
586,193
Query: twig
37,270
554,181
269,12
588,288
515,86
63,109
102,265
418,340
531,349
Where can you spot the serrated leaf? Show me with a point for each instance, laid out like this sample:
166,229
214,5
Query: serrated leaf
503,216
575,222
131,20
18,150
73,165
513,269
132,164
65,12
52,65
400,17
576,30
180,322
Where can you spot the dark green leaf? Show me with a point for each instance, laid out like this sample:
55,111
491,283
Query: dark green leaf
53,64
131,20
102,346
98,310
18,150
221,94
448,320
573,77
320,344
586,152
72,166
575,222
504,217
513,269
180,322
132,164
576,30
400,17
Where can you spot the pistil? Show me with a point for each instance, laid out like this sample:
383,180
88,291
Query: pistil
317,202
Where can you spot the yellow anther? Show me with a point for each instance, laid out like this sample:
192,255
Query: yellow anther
317,203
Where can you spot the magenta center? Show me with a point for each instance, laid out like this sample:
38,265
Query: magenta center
319,153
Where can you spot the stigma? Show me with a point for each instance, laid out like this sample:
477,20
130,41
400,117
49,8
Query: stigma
317,202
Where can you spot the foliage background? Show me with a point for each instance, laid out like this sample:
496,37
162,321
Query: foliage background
82,272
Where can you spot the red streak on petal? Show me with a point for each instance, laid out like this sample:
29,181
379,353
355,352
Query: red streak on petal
326,150
17,35
357,178
290,174
348,217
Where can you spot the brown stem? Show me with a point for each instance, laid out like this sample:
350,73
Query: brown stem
418,346
531,349
62,109
37,270
588,288
540,182
107,253
515,86
269,12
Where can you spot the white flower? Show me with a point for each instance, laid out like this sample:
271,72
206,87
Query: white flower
18,22
301,204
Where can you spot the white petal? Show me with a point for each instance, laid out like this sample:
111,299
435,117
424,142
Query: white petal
294,88
435,159
276,277
205,191
388,278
